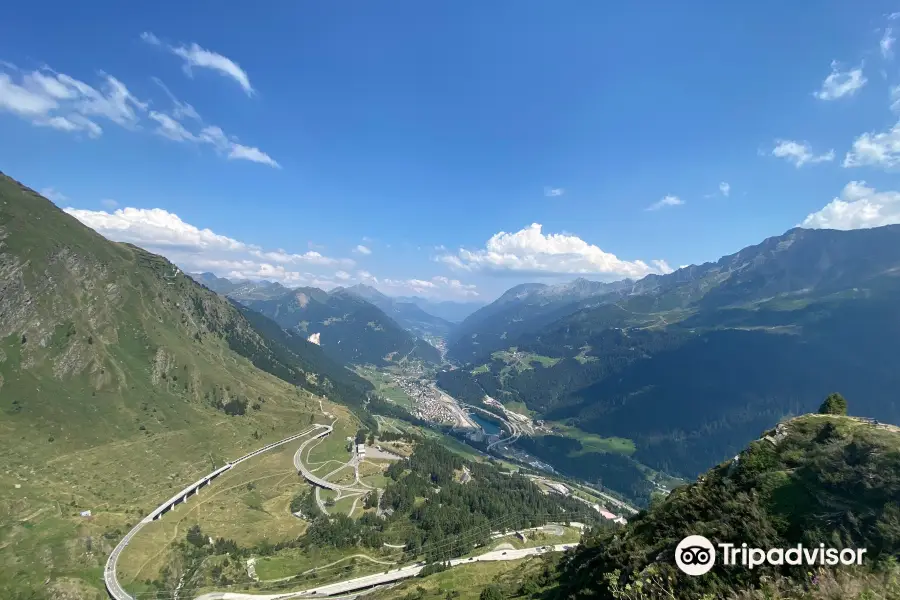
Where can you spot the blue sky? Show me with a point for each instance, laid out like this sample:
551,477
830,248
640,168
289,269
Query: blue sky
328,143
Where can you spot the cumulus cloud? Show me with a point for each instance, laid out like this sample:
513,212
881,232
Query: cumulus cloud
360,249
552,192
196,57
799,153
858,207
531,251
109,203
198,249
841,83
725,188
875,149
666,201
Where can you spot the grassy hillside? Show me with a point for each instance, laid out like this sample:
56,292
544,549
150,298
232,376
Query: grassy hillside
121,380
813,479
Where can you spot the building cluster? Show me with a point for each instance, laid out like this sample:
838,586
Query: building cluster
428,403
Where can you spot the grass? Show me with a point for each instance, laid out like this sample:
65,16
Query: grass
111,365
570,535
521,361
383,385
248,504
481,369
467,580
583,356
519,407
591,442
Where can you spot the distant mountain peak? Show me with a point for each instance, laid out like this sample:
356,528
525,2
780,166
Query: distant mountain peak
366,292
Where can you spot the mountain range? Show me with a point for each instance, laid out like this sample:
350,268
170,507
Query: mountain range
120,377
689,366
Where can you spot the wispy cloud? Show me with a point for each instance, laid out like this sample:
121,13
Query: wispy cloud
170,127
799,153
54,195
725,188
360,249
551,192
195,56
47,98
887,44
666,201
841,83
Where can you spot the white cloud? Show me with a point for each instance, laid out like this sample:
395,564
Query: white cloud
875,149
181,110
311,257
666,201
887,44
360,249
23,102
858,207
551,192
241,152
49,99
109,203
895,98
196,57
154,228
725,188
231,149
150,38
56,100
841,83
170,128
54,195
531,251
196,250
799,153
437,287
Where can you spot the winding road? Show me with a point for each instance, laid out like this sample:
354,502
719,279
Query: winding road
110,577
392,575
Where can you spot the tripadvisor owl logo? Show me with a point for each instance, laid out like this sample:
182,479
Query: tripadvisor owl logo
695,555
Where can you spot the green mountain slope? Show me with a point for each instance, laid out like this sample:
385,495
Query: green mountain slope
351,330
120,380
814,479
521,310
691,365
